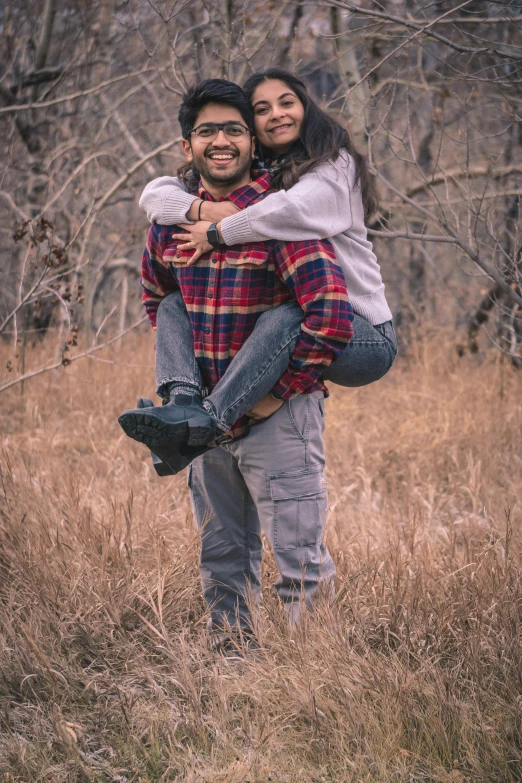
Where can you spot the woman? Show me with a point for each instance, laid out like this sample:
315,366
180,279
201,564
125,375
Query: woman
323,191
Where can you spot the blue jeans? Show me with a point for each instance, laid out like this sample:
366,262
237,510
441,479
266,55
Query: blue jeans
263,358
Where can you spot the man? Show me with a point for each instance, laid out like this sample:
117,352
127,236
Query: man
269,476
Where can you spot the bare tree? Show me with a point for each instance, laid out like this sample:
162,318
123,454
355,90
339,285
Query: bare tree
88,102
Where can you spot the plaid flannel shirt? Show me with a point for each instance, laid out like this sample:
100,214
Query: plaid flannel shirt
231,287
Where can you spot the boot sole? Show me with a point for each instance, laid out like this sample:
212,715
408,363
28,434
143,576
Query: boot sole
146,428
161,468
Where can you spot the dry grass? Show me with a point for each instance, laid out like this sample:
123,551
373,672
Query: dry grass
414,674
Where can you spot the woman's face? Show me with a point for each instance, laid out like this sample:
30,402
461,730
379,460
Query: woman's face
278,115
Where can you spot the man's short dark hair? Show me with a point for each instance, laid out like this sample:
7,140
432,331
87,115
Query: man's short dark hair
213,91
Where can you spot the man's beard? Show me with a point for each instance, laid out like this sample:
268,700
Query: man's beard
225,178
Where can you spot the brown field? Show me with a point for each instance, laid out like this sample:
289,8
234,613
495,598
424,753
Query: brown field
413,674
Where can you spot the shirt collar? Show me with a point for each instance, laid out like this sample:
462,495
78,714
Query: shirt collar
244,196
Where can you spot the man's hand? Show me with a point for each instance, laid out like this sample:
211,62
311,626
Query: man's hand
265,408
194,238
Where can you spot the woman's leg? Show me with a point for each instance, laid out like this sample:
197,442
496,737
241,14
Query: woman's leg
176,366
367,357
254,371
256,368
263,358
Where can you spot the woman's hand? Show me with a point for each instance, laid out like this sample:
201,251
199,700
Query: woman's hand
217,210
265,408
194,238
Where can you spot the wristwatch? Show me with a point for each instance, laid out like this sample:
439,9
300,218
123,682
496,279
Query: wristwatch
213,236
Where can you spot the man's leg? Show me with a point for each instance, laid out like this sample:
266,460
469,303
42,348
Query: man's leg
231,546
282,463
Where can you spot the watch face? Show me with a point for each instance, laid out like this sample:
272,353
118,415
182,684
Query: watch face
213,236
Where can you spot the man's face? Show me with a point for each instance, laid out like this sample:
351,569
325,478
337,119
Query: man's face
222,161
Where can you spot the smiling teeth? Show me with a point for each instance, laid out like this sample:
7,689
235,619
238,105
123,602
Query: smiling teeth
221,157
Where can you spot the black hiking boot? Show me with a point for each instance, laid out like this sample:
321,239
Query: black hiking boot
178,456
172,458
182,420
161,468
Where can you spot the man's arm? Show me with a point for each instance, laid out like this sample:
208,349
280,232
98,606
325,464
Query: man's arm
157,279
310,271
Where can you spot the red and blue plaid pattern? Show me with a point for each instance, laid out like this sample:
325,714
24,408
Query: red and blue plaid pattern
229,288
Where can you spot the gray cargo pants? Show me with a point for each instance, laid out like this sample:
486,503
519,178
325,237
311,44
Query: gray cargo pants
273,481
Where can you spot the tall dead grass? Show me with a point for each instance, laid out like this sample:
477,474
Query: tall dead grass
413,674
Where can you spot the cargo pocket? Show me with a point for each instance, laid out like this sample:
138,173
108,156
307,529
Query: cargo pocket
299,499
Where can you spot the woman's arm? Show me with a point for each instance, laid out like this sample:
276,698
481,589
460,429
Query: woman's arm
166,201
319,206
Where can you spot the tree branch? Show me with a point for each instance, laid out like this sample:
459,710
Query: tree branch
7,197
420,31
41,77
489,269
407,235
426,29
294,24
474,171
122,125
40,370
74,96
123,179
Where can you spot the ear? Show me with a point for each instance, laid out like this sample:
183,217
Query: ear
187,149
253,146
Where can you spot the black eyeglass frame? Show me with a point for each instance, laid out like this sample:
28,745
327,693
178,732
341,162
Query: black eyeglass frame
220,126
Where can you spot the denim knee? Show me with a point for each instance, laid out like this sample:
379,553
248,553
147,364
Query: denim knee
282,320
170,302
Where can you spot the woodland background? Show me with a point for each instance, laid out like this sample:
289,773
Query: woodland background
413,674
89,93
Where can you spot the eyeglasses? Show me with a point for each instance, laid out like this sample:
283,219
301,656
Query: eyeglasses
208,131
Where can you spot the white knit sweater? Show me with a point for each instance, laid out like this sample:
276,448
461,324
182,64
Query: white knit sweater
324,204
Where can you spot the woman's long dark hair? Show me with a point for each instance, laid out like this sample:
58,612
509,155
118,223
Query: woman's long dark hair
322,138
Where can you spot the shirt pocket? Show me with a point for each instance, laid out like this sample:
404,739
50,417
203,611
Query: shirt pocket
184,274
245,274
